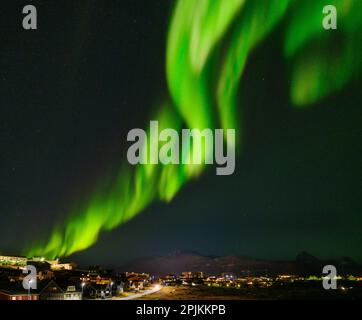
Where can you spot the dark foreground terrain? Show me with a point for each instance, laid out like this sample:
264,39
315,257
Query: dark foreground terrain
280,293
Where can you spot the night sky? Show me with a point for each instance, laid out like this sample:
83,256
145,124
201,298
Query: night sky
71,91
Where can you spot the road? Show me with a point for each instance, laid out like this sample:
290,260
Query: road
141,294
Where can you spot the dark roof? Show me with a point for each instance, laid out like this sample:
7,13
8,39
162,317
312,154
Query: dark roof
51,283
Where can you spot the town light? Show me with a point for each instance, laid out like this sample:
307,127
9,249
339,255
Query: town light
110,291
29,287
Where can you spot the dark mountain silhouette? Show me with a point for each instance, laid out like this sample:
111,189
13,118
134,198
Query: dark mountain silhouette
308,264
179,261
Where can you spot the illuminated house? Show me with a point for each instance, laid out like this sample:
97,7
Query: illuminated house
55,265
52,291
63,266
169,279
14,295
9,261
228,275
96,278
135,281
192,275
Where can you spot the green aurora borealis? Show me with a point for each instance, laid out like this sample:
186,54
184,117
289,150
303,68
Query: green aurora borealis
208,45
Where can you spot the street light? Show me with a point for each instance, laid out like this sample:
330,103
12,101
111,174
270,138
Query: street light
29,287
111,288
83,284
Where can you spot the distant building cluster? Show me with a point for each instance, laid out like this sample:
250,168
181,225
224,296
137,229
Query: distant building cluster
63,281
14,262
9,261
231,280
